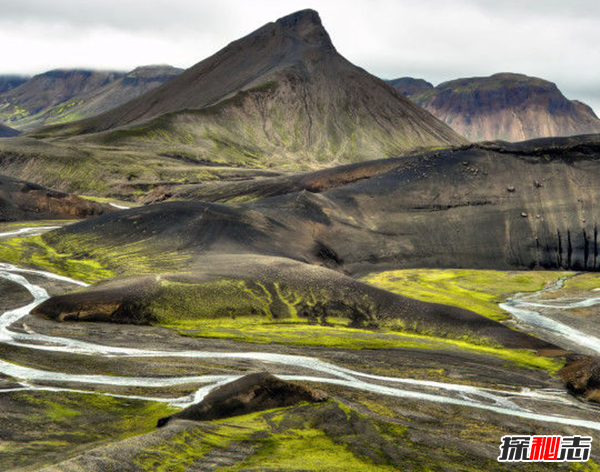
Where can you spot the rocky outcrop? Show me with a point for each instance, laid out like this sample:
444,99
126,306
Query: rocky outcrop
251,393
21,200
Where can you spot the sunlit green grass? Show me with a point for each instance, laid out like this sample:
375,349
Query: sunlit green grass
477,290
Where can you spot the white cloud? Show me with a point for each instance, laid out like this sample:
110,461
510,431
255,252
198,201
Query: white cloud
434,39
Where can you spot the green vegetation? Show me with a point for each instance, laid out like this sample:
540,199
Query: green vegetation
281,439
339,335
585,282
477,290
51,425
34,251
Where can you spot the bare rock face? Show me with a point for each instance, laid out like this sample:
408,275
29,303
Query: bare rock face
21,200
509,107
582,376
254,392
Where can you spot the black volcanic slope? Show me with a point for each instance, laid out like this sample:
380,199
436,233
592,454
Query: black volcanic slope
281,95
251,393
20,200
520,206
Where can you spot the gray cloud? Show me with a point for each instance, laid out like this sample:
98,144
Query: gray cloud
434,39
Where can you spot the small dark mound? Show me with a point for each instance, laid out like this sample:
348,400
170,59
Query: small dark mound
253,392
582,376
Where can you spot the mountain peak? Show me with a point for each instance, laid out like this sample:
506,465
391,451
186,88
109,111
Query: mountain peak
306,24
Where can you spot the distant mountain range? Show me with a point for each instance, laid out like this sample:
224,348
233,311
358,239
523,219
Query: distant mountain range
61,96
511,107
280,96
8,82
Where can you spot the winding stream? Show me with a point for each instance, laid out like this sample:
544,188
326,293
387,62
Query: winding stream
505,402
523,309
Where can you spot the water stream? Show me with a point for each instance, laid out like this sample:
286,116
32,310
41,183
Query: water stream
499,401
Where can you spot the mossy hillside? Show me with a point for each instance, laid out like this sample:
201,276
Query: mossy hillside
339,336
289,439
477,290
327,437
34,251
266,313
580,284
89,259
265,127
50,426
106,171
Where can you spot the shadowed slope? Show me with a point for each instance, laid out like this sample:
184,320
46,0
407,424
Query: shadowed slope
7,132
21,106
113,94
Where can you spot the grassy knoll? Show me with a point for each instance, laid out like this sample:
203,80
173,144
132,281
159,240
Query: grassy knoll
477,290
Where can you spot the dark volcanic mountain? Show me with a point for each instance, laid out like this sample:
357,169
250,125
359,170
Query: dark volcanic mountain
113,94
23,106
6,132
280,95
409,86
8,82
510,107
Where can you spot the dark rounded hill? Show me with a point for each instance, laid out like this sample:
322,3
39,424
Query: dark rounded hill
248,394
521,206
271,288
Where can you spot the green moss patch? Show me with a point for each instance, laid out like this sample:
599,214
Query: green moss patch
50,426
34,251
477,290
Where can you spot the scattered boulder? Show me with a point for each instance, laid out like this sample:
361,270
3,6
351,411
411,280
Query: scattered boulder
251,393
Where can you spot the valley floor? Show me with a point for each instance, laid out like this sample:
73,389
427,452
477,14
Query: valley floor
398,401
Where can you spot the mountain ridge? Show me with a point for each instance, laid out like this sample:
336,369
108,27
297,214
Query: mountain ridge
280,92
505,106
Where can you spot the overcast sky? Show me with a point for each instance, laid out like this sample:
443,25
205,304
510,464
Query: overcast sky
433,39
